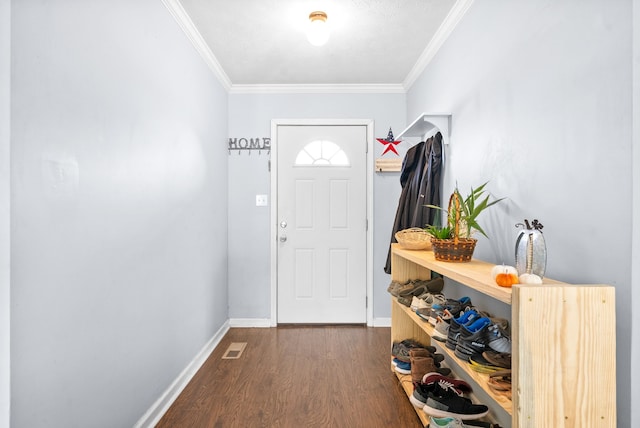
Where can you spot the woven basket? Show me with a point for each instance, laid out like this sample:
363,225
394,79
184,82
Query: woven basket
456,249
414,239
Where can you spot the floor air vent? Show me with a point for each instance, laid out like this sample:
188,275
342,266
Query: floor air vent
234,351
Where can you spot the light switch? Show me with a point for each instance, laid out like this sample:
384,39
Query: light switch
262,200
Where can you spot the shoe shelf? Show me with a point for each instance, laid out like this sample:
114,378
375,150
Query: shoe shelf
563,335
499,405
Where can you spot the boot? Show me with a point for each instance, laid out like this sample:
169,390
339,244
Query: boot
423,365
422,352
420,366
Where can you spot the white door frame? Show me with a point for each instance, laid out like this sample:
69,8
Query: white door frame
274,205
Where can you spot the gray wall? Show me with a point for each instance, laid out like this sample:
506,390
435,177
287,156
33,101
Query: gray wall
5,35
540,93
119,217
250,115
635,283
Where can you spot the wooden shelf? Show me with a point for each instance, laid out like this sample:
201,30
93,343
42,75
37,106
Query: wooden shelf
428,124
475,274
388,165
563,337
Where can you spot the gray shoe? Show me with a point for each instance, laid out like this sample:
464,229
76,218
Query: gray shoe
395,287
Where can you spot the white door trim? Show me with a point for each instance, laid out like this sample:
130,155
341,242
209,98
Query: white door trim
274,206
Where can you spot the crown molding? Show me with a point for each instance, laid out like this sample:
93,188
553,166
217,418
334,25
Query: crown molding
450,22
189,28
319,89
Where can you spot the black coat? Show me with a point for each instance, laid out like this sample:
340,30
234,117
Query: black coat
421,180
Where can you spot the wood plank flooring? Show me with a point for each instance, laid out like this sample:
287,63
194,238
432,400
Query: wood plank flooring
297,376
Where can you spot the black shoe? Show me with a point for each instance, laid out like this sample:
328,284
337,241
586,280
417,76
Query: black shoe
473,339
455,325
443,403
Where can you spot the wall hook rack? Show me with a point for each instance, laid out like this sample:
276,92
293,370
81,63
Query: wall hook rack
249,145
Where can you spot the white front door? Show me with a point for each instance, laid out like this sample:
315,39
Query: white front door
322,224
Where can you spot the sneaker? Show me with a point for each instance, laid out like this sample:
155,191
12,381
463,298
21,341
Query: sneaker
402,367
416,288
393,287
420,395
456,324
423,313
406,297
459,386
425,301
421,390
401,349
445,423
456,307
403,288
457,423
441,329
445,403
416,303
499,340
473,339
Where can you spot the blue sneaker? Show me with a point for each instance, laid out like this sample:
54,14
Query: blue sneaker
456,307
402,367
455,325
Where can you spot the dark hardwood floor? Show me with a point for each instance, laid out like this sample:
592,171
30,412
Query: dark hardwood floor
297,376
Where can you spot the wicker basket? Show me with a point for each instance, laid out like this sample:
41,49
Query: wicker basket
414,239
455,249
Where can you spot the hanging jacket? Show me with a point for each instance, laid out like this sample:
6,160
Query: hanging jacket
421,180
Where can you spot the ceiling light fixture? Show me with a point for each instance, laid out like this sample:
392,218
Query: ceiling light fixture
318,30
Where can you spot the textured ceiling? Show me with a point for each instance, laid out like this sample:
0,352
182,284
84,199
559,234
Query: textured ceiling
262,42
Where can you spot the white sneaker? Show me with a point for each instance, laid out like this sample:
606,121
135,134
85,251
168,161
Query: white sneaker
417,303
445,423
426,300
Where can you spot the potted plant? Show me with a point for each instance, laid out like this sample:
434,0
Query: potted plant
454,242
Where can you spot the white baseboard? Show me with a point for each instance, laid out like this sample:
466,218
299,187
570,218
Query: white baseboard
266,322
162,404
250,322
382,322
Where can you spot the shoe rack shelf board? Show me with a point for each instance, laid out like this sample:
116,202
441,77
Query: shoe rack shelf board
563,335
428,124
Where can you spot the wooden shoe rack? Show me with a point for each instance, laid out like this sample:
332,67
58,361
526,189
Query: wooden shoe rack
563,345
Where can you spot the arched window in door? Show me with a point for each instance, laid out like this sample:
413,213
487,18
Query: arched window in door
322,153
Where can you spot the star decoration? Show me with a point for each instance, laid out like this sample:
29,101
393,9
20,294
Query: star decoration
390,143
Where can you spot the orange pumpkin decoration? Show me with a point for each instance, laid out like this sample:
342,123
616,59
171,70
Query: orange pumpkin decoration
504,276
506,279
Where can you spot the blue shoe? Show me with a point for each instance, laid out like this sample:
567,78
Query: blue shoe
402,367
456,324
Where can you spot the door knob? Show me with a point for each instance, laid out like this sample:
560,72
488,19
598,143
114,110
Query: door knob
283,239
283,224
